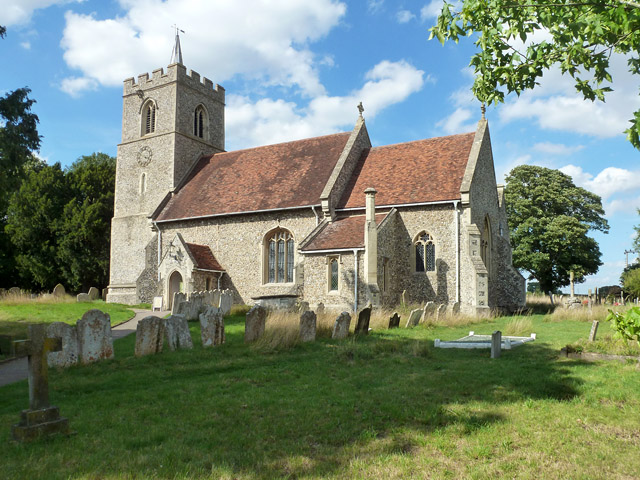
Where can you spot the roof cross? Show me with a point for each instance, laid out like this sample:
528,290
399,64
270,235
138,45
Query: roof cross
360,108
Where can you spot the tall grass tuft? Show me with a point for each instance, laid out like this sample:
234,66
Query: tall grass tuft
26,298
518,326
282,331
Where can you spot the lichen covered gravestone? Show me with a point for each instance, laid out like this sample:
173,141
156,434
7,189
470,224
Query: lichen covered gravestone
83,297
94,293
254,323
149,336
428,311
363,320
178,299
41,419
68,354
341,326
176,331
95,341
212,327
414,317
308,326
441,313
59,291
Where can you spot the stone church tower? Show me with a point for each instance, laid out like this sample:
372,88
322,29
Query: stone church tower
168,122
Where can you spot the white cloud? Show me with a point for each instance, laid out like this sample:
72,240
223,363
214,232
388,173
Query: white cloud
18,12
264,42
608,182
375,5
432,10
554,104
26,45
556,148
458,122
75,86
270,121
624,205
404,16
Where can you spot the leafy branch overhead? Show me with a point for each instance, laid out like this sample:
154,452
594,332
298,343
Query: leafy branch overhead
519,40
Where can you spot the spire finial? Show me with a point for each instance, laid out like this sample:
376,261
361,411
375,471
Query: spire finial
483,109
176,54
360,109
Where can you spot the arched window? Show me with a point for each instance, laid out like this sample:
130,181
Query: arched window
279,247
143,183
425,253
149,118
333,274
199,121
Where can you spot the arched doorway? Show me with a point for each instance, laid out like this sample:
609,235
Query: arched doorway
175,285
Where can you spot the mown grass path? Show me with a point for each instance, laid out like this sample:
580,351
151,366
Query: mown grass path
383,406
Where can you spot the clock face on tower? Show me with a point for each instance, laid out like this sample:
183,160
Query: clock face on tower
145,154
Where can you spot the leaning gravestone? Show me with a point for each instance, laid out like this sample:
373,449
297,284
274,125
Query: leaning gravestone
149,336
41,419
414,317
212,327
308,326
320,309
428,311
176,331
83,297
455,308
68,354
441,313
304,307
363,320
59,291
254,323
94,293
215,298
226,302
594,331
394,321
178,299
341,326
95,342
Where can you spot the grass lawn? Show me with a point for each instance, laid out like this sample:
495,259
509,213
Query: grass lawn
15,317
387,405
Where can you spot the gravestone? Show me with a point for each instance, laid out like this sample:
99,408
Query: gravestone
226,302
94,293
14,291
104,293
157,304
455,308
341,326
95,341
254,323
41,419
394,321
83,297
215,298
441,312
212,327
308,326
149,336
404,298
176,331
304,307
414,317
594,330
496,344
364,315
68,354
59,291
428,311
178,299
320,309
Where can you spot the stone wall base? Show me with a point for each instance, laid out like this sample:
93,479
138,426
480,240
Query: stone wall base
39,423
126,295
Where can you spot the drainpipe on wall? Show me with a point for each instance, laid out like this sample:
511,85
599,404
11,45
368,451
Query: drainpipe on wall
220,279
313,209
159,247
355,291
457,220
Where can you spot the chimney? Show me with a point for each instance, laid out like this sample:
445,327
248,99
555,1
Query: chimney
370,238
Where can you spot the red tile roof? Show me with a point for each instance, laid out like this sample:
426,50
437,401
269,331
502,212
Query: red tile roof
204,257
286,175
343,233
423,171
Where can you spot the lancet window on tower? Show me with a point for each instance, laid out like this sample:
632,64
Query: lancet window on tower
198,122
149,118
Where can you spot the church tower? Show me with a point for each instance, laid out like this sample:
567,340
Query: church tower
168,122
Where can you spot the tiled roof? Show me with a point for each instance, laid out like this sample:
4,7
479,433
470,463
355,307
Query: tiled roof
423,171
286,175
203,257
343,233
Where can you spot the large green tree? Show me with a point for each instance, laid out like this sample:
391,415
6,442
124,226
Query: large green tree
83,242
630,280
549,218
519,40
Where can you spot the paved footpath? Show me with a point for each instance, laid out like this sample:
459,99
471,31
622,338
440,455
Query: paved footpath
16,370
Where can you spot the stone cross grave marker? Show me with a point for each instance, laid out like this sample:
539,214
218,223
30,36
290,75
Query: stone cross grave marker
594,330
41,418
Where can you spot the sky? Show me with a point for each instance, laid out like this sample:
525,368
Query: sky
297,68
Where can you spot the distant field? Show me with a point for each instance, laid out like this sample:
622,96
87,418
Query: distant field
387,405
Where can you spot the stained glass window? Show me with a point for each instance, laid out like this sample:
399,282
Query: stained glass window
280,257
425,253
333,272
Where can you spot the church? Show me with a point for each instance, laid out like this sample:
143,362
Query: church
329,220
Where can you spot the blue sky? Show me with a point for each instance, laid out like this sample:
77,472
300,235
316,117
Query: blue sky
294,69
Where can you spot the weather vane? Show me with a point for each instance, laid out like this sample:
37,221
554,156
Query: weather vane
176,54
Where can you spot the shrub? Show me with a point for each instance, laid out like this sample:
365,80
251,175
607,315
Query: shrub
626,325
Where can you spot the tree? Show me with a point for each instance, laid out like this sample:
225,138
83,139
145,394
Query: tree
549,218
577,36
630,280
33,223
83,238
636,241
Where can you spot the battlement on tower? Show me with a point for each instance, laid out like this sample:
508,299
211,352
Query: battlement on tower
175,73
